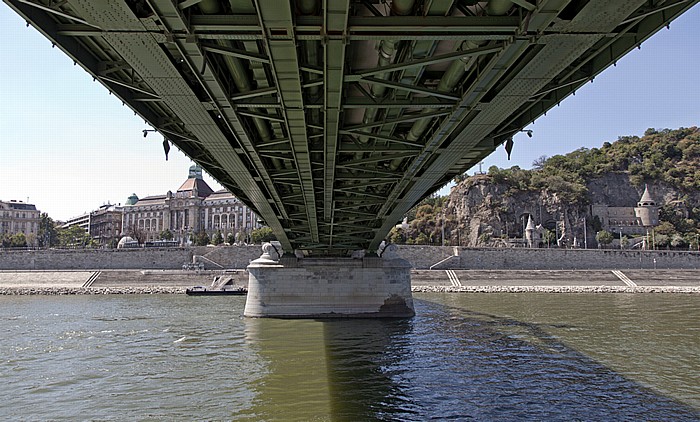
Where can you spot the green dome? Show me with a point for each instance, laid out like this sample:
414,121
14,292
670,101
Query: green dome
195,172
132,200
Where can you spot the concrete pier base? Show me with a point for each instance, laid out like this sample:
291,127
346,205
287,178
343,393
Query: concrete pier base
291,287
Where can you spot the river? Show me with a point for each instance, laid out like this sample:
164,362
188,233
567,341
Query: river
463,357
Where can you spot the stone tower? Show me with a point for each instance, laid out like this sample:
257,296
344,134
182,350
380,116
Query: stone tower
530,232
646,210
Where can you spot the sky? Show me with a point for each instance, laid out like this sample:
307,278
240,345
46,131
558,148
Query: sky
68,147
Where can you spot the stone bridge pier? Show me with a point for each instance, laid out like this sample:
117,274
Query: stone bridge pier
291,287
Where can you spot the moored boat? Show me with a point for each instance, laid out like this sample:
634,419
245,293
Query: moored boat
203,291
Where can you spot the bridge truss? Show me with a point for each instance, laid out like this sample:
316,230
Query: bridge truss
332,118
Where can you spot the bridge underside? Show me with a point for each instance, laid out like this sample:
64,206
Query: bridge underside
332,118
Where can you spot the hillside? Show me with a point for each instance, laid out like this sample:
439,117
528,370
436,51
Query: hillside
560,192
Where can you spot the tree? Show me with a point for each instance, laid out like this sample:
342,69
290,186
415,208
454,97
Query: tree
74,236
137,233
396,236
217,239
46,233
200,239
604,237
230,239
166,235
263,234
624,242
539,162
18,240
422,239
549,237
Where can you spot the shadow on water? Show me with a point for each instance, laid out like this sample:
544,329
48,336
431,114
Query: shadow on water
445,363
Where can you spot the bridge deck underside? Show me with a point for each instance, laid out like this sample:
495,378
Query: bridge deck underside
331,119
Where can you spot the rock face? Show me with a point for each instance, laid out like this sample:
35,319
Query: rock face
495,215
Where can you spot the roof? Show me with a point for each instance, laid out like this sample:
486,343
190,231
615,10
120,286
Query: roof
646,196
150,200
203,190
21,206
530,223
221,194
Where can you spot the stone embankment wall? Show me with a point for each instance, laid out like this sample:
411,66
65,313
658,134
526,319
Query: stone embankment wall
125,259
423,257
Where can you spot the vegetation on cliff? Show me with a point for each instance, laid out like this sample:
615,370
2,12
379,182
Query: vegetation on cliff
669,158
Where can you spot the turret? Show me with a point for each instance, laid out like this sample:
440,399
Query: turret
646,210
529,231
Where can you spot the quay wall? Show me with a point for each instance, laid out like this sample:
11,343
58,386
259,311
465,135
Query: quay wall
420,257
128,259
447,257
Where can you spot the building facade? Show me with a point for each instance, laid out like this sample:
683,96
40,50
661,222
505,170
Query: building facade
192,209
632,221
19,217
106,224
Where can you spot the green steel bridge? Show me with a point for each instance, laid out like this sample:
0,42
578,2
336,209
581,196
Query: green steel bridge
332,118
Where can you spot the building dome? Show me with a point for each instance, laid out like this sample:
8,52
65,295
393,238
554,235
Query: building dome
195,172
132,199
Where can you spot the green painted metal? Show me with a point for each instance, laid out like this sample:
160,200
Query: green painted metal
332,118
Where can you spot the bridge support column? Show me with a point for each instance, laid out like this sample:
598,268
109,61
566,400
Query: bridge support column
291,287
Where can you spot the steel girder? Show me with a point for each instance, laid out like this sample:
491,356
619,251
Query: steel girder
331,119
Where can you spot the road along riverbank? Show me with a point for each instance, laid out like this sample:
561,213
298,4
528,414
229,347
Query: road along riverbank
424,281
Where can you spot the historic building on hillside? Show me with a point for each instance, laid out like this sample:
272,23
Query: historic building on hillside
193,208
629,220
19,217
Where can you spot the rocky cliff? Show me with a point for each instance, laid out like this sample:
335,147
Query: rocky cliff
492,209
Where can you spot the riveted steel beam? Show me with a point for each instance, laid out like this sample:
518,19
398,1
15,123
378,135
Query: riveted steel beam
234,52
335,20
277,21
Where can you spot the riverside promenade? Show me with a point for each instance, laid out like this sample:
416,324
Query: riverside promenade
425,281
435,269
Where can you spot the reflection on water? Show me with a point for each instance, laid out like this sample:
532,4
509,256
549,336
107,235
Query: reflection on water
480,357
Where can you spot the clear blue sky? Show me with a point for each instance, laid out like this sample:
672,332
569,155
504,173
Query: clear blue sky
69,146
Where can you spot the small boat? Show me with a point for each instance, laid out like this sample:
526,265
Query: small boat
203,291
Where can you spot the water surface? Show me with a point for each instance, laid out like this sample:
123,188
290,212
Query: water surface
464,356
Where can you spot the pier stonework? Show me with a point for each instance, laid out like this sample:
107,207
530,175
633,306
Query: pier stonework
291,287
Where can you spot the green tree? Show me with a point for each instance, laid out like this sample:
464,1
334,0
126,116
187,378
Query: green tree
263,234
624,242
230,239
217,239
18,240
200,239
549,237
604,237
396,236
46,233
74,236
422,239
166,235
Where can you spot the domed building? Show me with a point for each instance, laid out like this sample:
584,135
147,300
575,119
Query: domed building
193,208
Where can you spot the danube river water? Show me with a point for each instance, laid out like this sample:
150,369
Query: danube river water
463,357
